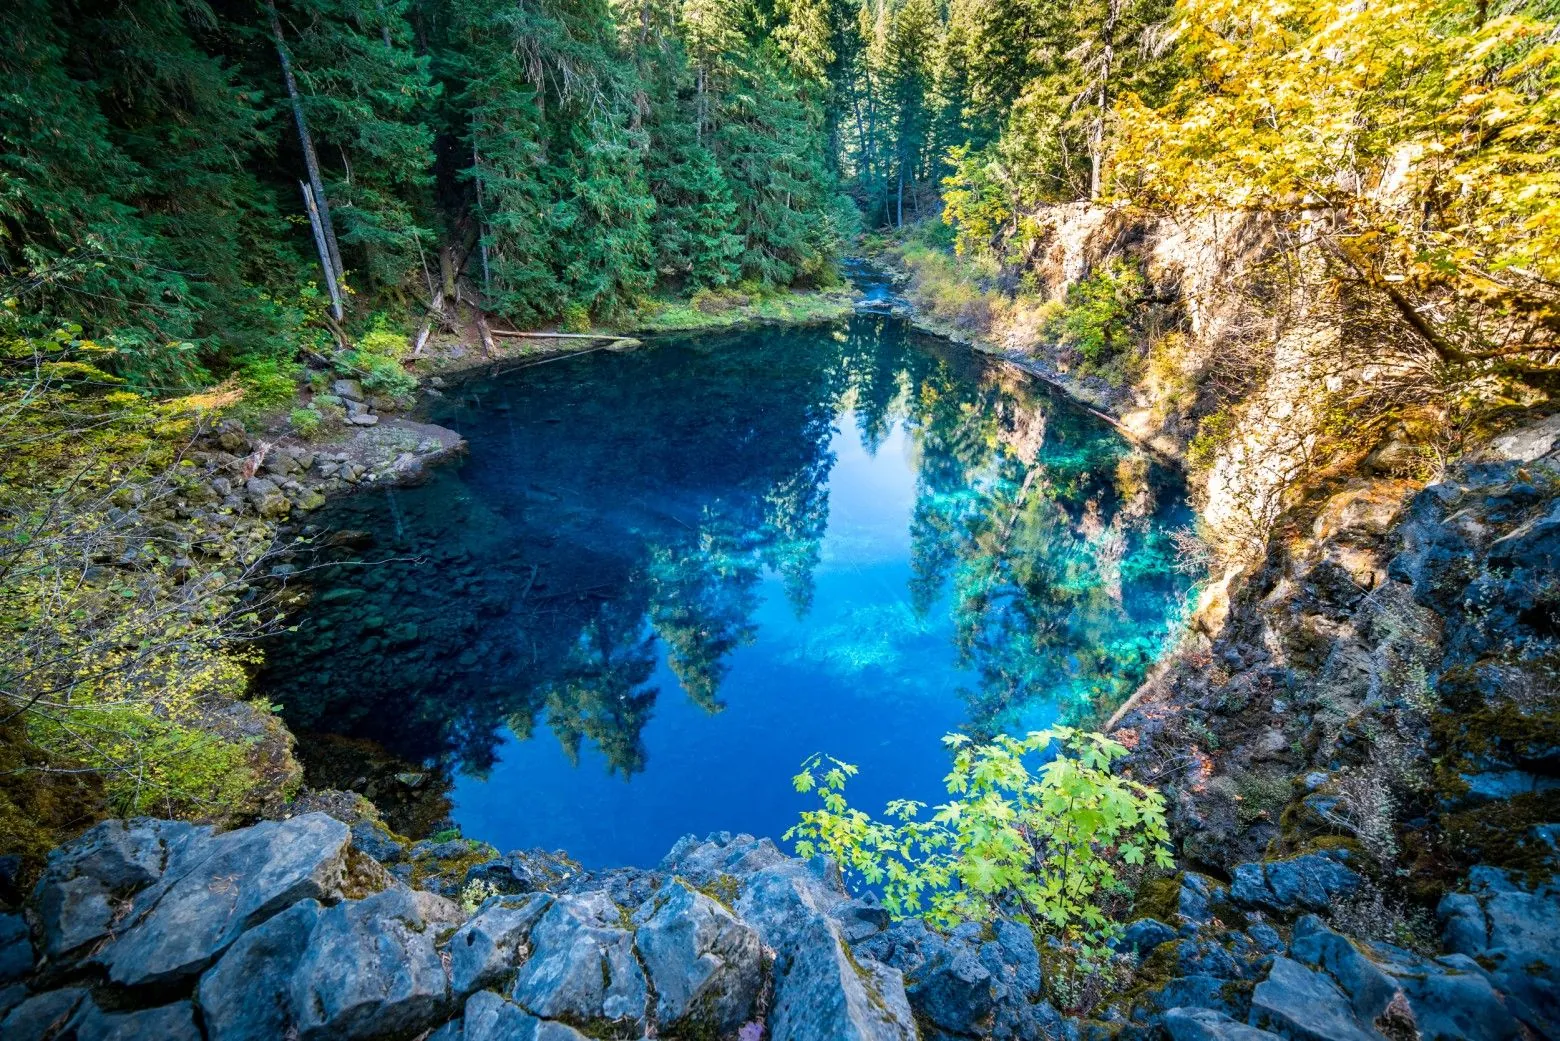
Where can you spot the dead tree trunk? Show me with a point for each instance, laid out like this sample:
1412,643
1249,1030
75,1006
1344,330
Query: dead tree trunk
317,225
311,160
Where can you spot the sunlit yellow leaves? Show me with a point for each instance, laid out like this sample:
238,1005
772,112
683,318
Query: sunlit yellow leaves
1379,112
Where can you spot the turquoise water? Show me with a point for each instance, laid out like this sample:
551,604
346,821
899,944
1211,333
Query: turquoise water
664,577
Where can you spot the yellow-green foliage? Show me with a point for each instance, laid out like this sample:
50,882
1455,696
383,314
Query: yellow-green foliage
376,361
576,318
954,289
306,420
1214,430
1050,845
1425,132
116,623
977,202
1096,318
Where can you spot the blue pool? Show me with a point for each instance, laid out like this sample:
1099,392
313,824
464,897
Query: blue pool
664,577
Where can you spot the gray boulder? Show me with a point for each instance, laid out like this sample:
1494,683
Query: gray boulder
174,1022
705,966
75,912
11,996
491,1018
1452,999
1308,882
1195,898
707,862
361,969
1392,992
950,998
494,941
1305,1005
267,499
956,993
1206,1024
1143,935
1208,992
85,881
582,965
247,995
1513,932
347,390
41,1016
524,871
177,929
370,970
1527,443
16,950
374,839
1369,988
822,992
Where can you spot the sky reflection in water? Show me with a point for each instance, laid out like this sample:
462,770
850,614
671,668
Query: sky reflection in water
663,578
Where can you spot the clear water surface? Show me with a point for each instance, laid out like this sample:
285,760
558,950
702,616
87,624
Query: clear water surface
664,577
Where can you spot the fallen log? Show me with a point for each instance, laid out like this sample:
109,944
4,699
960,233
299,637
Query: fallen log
560,336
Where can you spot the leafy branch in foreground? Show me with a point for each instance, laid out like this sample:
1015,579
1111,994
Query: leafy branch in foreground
1048,847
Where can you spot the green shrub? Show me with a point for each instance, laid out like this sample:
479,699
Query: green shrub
1096,321
383,342
1048,849
268,381
305,420
1212,432
124,643
380,375
575,318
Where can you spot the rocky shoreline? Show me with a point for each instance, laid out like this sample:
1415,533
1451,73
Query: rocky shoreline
144,930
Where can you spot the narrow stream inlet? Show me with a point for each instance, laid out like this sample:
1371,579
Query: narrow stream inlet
663,578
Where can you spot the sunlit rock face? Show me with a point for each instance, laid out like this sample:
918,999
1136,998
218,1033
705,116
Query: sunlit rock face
662,578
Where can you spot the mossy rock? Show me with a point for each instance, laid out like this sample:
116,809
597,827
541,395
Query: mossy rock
1158,898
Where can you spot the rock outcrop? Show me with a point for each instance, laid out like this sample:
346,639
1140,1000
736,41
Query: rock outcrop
163,929
264,932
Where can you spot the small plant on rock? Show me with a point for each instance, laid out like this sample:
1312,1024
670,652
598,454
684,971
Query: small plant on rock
1048,846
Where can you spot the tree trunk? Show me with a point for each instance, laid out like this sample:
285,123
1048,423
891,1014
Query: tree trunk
872,146
476,168
1097,137
435,310
861,135
900,216
698,120
311,160
447,271
488,348
316,225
